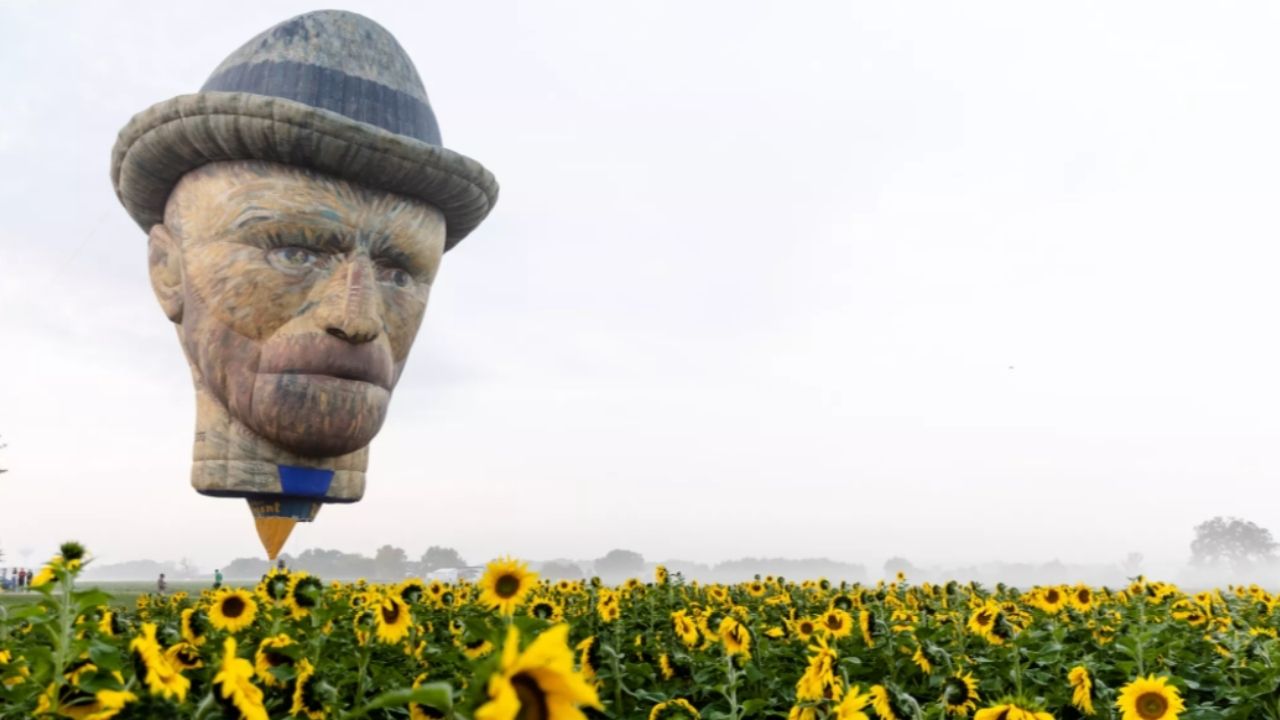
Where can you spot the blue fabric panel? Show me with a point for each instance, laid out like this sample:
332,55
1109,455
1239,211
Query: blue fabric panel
304,481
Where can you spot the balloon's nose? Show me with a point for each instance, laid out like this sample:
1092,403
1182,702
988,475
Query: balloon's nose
349,309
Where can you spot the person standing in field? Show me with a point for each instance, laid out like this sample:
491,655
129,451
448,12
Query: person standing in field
217,579
22,577
161,585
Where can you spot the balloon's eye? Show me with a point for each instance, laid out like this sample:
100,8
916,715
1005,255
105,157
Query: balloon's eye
395,276
293,258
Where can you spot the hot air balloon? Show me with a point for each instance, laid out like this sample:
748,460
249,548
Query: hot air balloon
297,209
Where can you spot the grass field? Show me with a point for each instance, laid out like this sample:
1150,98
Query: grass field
124,593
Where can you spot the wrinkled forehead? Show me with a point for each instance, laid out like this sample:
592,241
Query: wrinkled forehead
221,199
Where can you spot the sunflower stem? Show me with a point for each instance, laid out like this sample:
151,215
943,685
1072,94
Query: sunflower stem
1142,633
616,665
1017,667
364,668
64,630
732,695
206,705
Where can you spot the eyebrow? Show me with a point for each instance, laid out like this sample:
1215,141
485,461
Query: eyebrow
256,214
387,246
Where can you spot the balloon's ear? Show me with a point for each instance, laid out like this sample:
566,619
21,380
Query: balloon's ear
165,259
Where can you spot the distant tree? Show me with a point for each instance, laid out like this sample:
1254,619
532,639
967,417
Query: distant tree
560,570
390,562
897,564
3,446
617,564
334,564
246,568
439,558
1237,542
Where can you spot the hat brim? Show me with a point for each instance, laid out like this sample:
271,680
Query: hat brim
174,137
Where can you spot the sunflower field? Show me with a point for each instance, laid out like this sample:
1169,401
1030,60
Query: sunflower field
513,647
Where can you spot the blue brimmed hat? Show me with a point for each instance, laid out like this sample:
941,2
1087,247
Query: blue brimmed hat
329,90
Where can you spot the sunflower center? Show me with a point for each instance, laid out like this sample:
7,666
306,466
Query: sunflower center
275,659
1052,596
1151,706
533,702
984,618
507,586
233,607
390,613
953,692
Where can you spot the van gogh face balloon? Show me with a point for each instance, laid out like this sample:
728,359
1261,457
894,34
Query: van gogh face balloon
297,210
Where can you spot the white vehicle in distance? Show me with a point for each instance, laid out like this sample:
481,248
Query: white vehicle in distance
449,575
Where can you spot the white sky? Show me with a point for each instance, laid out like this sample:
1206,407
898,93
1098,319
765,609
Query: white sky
960,282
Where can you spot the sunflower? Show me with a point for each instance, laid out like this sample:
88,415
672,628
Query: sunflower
363,625
819,681
865,622
881,703
756,589
393,619
674,709
505,583
803,712
804,628
735,636
274,585
539,682
184,656
837,622
232,610
983,622
609,606
306,698
609,613
660,576
685,627
434,590
234,688
303,594
195,626
54,569
161,676
960,694
410,590
854,703
544,608
1011,711
588,657
1081,689
268,657
13,673
922,661
665,668
475,648
1081,598
101,705
1150,698
110,624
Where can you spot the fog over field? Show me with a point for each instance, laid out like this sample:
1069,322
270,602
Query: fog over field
959,284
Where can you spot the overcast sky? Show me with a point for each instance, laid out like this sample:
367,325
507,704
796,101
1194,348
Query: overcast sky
960,282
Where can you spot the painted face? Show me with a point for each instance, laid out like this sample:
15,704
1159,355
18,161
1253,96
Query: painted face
297,296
